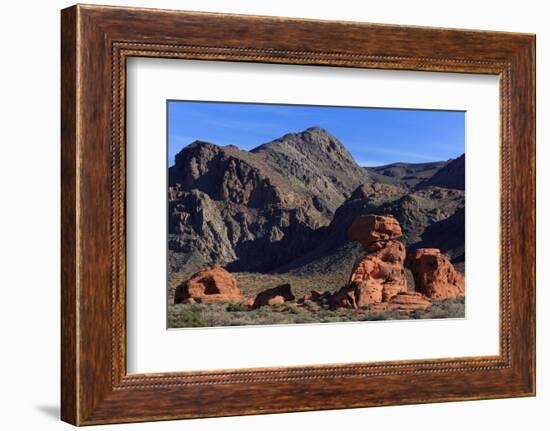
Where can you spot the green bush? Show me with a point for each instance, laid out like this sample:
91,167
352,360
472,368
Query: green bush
190,319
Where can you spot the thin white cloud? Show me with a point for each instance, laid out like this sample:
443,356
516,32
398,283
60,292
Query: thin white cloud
370,163
397,154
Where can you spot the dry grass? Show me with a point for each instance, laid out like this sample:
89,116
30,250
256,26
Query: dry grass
253,283
219,314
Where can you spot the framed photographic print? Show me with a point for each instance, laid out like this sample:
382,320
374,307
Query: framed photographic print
265,215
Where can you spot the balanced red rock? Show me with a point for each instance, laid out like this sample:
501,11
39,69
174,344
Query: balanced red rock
370,229
213,284
383,269
434,274
274,296
379,274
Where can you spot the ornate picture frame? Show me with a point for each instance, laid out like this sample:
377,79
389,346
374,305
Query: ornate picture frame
96,42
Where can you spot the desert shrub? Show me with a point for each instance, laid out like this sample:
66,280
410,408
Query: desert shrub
196,308
235,307
385,315
187,319
305,319
418,313
236,314
446,309
217,318
378,316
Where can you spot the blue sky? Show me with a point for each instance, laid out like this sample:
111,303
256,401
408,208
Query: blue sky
373,136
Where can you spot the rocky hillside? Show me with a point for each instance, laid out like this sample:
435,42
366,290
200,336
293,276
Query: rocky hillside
404,174
286,205
318,161
450,176
424,215
226,205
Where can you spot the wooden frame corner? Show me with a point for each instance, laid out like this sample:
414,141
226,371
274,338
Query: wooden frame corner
95,43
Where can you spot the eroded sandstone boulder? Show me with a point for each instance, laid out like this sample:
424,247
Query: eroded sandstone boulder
409,301
369,229
214,284
274,296
434,274
357,294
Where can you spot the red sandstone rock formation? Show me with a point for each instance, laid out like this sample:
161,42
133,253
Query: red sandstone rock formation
403,301
409,301
378,275
383,269
357,294
435,275
369,229
274,296
213,284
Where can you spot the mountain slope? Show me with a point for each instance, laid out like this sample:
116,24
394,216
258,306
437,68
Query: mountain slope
228,206
421,214
318,161
407,174
450,176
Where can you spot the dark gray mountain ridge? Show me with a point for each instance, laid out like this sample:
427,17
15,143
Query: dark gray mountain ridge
286,205
451,176
404,174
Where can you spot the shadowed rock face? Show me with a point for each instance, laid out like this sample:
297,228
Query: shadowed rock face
406,175
274,296
435,275
228,206
223,176
450,176
448,235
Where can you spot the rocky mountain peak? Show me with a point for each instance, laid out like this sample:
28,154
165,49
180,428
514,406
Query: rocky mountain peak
318,161
314,141
317,129
198,147
223,173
